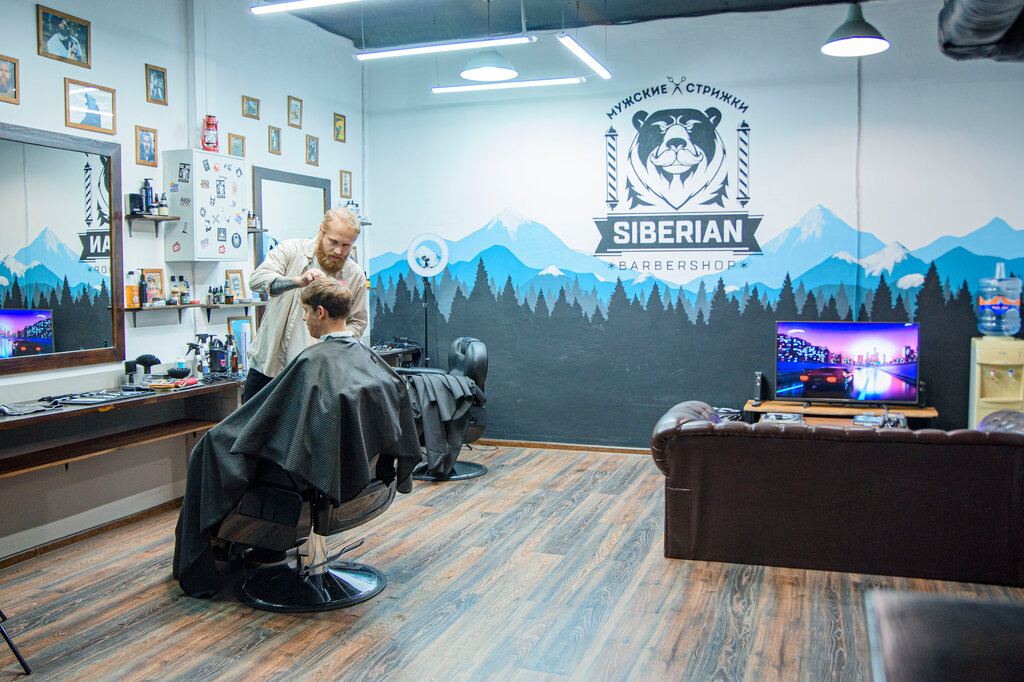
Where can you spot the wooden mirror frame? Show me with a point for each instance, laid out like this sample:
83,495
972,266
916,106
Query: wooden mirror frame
112,152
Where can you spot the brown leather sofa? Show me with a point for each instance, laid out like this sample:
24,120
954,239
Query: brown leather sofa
927,503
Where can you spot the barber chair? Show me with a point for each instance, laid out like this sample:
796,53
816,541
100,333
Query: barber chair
279,513
10,643
467,357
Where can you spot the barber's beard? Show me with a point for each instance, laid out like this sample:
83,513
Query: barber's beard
327,264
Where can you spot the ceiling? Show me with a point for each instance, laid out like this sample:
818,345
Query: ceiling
387,23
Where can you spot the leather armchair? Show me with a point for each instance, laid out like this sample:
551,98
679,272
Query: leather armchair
279,513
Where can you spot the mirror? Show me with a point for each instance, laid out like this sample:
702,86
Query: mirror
290,206
61,293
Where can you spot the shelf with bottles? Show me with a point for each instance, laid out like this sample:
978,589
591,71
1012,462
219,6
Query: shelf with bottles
208,307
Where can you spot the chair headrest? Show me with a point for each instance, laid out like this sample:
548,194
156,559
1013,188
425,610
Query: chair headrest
468,357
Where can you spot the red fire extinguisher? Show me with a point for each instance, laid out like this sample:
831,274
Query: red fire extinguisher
210,134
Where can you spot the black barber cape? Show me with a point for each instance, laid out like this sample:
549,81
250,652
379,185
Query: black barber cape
322,419
441,403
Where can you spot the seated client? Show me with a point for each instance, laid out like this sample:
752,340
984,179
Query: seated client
322,419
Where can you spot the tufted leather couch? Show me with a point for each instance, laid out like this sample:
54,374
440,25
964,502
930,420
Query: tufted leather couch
927,503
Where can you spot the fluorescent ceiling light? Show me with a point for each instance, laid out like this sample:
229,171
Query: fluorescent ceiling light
855,37
443,47
489,65
294,5
508,84
584,56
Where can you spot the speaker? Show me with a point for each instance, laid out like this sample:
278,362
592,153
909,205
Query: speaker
922,393
135,204
758,388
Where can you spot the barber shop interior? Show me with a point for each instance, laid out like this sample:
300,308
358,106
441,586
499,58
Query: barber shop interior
418,340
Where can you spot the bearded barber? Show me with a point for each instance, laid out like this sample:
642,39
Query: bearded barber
290,267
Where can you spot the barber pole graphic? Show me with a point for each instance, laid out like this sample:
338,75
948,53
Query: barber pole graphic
88,194
611,150
743,163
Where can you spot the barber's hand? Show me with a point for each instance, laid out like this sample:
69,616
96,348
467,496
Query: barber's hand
306,278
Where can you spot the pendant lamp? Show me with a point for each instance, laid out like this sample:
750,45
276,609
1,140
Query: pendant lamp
489,65
855,37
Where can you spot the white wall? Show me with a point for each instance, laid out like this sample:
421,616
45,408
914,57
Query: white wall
939,141
236,53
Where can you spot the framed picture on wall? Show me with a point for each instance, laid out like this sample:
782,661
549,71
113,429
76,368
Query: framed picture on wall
339,128
236,283
156,84
9,80
236,145
145,146
89,107
346,184
312,150
250,107
63,37
154,284
294,112
273,140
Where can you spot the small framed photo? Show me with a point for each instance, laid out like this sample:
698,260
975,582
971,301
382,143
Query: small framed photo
89,107
312,150
273,140
250,107
145,146
346,184
339,128
236,145
156,85
154,284
63,37
236,283
294,112
9,80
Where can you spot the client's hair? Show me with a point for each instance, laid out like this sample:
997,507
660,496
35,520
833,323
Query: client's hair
329,293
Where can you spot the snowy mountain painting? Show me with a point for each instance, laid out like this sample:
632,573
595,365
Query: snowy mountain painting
569,336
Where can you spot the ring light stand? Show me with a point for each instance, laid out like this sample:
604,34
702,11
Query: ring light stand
426,263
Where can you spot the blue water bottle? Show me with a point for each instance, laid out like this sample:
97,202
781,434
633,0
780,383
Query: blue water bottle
999,304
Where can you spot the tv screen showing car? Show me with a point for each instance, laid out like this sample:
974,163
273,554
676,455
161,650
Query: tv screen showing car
25,332
846,362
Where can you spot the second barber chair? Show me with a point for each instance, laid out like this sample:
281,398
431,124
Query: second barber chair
467,357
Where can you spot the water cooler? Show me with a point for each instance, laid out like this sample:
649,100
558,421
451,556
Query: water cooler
997,370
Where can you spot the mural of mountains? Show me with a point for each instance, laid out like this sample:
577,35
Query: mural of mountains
533,244
46,261
816,252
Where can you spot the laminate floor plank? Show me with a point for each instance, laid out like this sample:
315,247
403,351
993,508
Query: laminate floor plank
550,567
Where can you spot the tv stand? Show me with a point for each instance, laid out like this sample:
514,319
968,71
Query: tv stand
836,413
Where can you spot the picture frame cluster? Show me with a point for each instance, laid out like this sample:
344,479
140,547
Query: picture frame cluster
91,106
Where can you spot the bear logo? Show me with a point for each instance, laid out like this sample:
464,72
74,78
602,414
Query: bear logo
677,157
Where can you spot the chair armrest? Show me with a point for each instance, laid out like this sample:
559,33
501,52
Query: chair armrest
676,418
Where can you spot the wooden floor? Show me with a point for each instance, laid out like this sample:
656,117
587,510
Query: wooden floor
548,568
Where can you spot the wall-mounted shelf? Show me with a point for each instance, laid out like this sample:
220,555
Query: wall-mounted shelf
207,307
145,217
258,304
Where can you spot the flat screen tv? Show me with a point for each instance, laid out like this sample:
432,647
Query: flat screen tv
25,332
846,362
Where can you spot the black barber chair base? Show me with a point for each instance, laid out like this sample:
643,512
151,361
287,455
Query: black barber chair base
460,472
282,588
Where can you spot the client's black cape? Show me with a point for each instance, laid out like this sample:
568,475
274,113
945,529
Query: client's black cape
322,419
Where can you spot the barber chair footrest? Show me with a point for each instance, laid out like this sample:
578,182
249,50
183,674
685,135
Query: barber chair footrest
283,588
460,472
